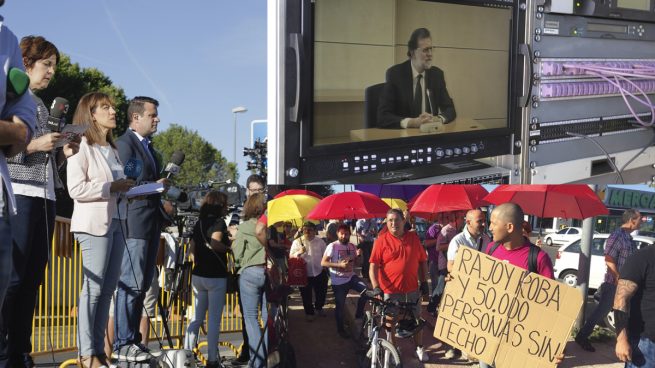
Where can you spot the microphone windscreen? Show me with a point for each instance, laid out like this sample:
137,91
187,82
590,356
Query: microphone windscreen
177,158
17,81
133,168
59,107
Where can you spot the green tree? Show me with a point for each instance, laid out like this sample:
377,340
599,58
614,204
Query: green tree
202,161
72,82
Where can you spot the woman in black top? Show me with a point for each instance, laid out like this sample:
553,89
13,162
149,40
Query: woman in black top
209,246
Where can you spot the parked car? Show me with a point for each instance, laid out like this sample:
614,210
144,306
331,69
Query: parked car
643,233
564,236
566,264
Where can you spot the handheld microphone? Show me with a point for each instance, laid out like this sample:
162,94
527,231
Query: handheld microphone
427,91
133,168
58,110
173,167
17,83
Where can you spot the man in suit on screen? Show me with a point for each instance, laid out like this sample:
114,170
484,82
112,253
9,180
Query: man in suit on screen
415,91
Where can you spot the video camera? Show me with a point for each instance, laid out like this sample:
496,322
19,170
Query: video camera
258,157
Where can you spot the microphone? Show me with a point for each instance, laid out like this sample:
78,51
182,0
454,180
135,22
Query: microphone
133,168
58,110
17,83
427,91
173,167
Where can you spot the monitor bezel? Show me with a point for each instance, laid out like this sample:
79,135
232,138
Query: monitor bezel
307,151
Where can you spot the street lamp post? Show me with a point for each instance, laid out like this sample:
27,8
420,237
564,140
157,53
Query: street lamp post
235,111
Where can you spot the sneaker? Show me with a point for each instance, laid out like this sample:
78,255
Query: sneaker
585,344
155,354
133,353
421,354
451,353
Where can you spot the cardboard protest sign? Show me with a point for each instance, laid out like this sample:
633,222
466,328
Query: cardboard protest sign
502,314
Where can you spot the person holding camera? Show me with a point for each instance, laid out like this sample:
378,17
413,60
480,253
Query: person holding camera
34,176
311,248
209,246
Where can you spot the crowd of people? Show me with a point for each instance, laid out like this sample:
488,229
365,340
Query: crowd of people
399,265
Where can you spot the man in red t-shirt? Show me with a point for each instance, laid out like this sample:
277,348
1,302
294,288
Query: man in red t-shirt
398,262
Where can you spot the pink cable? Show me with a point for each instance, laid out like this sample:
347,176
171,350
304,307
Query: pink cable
614,71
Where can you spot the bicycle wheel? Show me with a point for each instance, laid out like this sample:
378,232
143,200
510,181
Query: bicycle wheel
387,355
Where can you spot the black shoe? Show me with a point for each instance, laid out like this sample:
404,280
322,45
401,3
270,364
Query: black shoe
585,344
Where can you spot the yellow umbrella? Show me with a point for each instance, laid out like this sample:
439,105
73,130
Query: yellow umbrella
291,208
395,203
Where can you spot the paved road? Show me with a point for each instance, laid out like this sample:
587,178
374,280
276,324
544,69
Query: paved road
318,345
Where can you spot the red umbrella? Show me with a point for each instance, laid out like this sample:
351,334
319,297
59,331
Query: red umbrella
565,200
298,191
439,198
349,205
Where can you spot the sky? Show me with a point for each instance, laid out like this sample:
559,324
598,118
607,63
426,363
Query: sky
200,59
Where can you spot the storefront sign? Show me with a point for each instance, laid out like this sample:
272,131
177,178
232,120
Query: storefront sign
624,198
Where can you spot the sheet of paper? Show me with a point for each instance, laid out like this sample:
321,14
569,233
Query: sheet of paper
145,189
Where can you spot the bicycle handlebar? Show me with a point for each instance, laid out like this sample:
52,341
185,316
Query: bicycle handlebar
369,295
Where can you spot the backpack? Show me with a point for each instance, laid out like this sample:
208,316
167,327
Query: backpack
532,256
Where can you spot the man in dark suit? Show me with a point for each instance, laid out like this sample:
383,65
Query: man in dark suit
415,91
144,223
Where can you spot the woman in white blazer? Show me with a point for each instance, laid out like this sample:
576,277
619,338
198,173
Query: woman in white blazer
96,182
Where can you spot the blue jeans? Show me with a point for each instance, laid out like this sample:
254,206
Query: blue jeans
251,290
32,230
101,266
643,353
604,306
208,293
137,272
340,293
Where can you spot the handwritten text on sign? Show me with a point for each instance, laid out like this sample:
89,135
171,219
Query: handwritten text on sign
501,313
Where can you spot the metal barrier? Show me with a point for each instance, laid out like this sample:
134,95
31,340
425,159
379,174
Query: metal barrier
55,317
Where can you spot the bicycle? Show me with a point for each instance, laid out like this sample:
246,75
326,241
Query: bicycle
381,352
